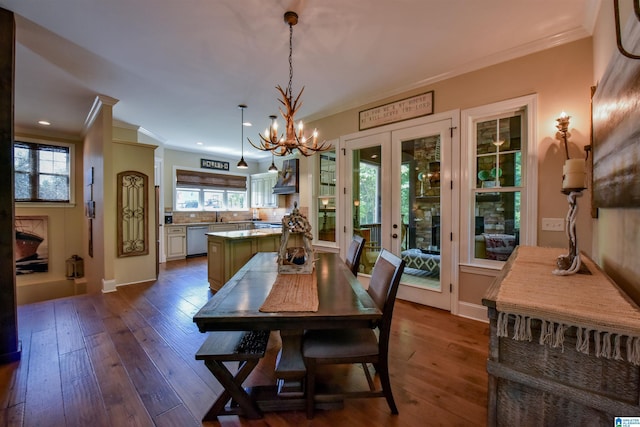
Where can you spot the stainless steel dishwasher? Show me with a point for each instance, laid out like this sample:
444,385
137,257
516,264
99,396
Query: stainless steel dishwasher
197,240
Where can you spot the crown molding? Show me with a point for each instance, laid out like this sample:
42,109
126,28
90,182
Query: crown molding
98,103
484,62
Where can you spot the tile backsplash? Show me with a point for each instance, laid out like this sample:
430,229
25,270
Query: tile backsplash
265,214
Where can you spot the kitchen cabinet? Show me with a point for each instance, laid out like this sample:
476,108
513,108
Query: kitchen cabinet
262,190
228,251
222,226
176,238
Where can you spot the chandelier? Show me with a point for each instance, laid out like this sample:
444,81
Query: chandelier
293,139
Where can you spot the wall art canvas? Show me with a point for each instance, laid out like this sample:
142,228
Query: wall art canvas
616,130
31,249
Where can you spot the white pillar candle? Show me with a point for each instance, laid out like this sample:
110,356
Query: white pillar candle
573,174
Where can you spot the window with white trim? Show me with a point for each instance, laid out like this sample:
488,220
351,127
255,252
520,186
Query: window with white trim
43,172
499,196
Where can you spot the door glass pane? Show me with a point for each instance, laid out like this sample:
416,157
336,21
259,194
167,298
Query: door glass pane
326,197
367,202
497,224
420,211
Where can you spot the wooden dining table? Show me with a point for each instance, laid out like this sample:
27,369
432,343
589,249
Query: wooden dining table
342,303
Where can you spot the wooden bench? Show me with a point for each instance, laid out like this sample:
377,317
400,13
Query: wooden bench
245,347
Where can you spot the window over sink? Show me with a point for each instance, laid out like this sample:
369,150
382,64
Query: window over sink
202,191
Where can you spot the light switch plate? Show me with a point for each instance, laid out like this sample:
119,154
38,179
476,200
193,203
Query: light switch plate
552,224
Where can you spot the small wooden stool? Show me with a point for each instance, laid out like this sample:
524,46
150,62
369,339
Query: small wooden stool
245,347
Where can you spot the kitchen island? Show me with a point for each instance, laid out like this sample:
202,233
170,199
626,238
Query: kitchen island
228,251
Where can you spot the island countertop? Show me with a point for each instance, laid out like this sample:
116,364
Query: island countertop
244,234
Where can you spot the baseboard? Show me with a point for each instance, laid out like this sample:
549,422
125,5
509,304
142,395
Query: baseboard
473,311
108,286
153,279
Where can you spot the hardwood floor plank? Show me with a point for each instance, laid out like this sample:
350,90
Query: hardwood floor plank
83,404
43,404
88,319
120,396
36,317
12,416
182,342
68,330
178,416
195,391
13,384
157,396
113,359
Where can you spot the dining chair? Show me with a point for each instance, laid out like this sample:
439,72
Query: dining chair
354,253
359,345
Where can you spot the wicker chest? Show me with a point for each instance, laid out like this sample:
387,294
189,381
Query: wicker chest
563,350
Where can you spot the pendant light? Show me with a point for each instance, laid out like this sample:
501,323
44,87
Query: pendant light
242,164
273,168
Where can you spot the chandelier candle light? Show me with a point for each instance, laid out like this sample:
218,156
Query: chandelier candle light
573,183
292,139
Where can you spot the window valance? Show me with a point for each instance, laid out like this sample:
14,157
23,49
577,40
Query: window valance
206,179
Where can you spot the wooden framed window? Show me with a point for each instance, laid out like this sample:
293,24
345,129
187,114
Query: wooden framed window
43,172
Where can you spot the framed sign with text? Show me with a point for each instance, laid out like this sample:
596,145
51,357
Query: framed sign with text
214,164
405,109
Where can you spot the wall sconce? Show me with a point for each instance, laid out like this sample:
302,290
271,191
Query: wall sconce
574,170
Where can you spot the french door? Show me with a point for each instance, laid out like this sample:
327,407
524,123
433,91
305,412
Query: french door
399,198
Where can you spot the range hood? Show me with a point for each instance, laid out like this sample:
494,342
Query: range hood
287,178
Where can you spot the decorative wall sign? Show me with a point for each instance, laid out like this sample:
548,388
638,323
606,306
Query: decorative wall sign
214,164
31,249
133,207
616,131
405,109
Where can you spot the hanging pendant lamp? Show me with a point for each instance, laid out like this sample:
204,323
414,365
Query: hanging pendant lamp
273,168
242,164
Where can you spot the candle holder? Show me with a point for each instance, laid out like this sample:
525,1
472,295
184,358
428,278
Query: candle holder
570,263
573,184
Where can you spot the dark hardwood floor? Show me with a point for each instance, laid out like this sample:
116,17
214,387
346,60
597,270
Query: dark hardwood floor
127,358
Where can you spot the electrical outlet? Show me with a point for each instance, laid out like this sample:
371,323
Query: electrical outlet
552,224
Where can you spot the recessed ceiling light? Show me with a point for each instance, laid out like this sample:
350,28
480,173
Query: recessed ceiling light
199,143
44,123
246,124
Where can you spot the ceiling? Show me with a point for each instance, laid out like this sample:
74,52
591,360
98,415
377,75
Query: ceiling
179,69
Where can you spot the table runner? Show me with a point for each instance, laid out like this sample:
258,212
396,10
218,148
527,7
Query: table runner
292,292
593,304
